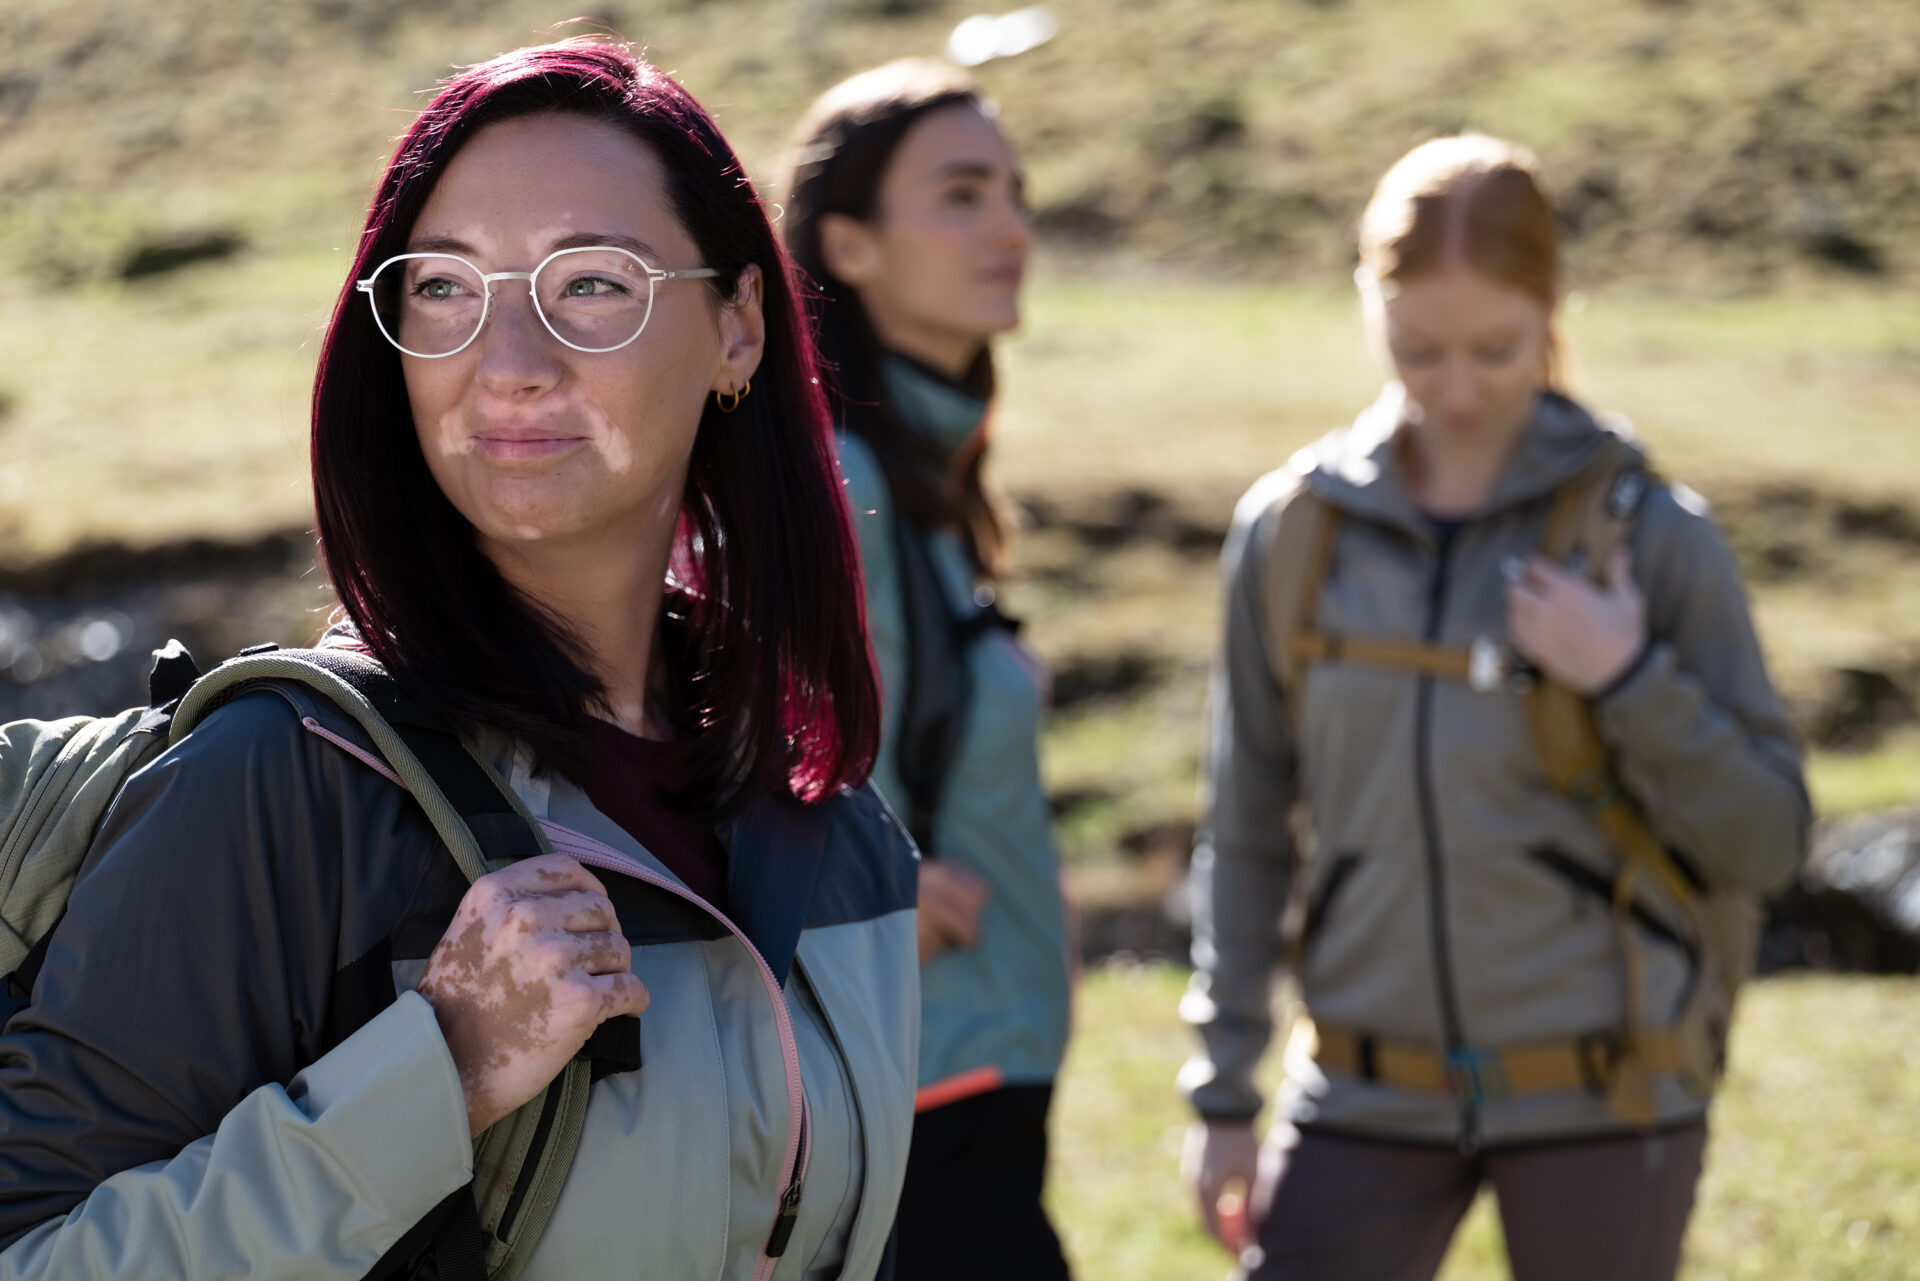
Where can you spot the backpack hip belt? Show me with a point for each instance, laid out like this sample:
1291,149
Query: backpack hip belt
1482,1074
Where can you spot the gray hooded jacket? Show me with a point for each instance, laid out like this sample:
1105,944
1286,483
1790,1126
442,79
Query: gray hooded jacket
1452,892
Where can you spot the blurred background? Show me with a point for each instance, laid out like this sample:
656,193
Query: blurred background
1739,180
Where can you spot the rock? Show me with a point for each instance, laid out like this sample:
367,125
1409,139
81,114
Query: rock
1857,904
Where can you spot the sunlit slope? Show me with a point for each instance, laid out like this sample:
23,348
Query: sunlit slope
1712,145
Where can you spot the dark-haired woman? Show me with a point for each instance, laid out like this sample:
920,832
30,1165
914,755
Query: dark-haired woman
576,491
1512,679
906,208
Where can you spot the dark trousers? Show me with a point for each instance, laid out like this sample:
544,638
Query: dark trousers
1600,1210
971,1205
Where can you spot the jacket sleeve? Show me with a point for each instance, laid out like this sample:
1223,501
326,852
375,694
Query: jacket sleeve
153,1091
304,1181
1244,853
872,507
1701,738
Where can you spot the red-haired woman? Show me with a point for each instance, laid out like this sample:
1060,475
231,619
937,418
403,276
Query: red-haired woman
1500,987
906,208
576,490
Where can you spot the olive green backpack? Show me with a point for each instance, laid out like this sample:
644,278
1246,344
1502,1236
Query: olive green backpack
59,778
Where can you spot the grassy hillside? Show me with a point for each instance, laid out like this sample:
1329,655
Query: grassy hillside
1712,146
1740,180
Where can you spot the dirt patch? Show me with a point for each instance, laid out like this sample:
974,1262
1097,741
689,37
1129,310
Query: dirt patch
1787,532
1089,678
1125,518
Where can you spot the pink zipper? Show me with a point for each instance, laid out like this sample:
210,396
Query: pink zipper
585,849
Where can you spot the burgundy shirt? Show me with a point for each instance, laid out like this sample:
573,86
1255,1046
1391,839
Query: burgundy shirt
632,781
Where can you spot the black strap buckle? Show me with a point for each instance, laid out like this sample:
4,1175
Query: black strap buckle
1595,791
1598,1052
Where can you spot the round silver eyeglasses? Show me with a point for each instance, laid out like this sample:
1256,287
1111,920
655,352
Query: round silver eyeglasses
593,299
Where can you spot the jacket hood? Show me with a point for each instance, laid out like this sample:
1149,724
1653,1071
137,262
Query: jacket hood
1358,468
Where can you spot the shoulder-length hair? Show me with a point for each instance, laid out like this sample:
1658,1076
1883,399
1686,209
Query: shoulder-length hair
765,639
842,149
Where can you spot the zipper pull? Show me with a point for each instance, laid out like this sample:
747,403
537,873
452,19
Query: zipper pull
783,1226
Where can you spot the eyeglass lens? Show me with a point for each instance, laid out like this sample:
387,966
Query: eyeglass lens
596,299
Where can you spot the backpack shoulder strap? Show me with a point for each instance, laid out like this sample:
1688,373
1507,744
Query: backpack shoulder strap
1298,553
1594,511
521,1162
1593,514
460,795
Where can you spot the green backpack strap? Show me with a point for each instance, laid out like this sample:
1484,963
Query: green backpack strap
347,679
521,1161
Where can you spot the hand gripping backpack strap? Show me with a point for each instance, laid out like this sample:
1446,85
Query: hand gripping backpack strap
520,1162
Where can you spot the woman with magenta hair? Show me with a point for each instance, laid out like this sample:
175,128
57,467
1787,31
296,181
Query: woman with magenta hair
576,490
906,209
1509,676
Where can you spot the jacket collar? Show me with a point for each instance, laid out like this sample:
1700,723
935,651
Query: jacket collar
936,407
1358,469
774,851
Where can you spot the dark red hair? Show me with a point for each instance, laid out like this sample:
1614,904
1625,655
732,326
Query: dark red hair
765,636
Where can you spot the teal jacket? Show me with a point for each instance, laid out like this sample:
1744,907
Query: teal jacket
995,1013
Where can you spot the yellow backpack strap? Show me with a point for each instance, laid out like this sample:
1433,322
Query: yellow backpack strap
1300,559
1299,556
1592,516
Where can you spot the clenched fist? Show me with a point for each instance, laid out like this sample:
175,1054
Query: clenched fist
533,962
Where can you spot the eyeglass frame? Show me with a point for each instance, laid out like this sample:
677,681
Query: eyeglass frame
655,276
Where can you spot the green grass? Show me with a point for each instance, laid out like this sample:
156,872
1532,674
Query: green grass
157,412
1856,782
1812,1139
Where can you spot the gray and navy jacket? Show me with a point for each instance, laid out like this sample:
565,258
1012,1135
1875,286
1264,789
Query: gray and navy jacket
1455,897
995,1013
225,1071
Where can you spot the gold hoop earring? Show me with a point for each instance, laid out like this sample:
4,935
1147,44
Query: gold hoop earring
730,401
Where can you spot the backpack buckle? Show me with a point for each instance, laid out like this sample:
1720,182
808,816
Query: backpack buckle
1594,791
1492,669
1476,1076
1598,1052
1628,489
